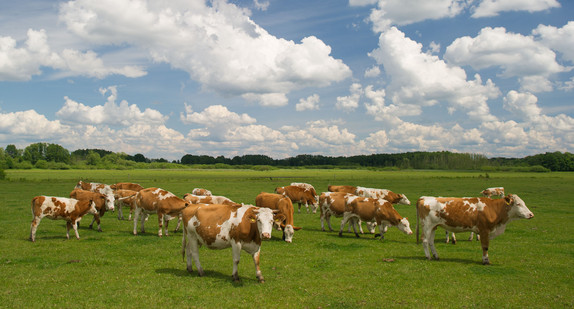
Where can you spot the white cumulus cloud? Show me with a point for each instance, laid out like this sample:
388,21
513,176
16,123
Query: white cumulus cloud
488,8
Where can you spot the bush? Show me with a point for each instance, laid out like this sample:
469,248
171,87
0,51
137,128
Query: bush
2,174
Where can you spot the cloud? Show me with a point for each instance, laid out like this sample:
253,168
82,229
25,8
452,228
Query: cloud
558,39
218,45
373,71
517,56
350,102
122,114
20,63
215,115
30,125
310,103
523,105
489,8
422,79
405,12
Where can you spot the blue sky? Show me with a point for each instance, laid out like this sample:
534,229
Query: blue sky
282,78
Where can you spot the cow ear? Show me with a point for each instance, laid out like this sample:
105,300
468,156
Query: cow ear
508,199
280,218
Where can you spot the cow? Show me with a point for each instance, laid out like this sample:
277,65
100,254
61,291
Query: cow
221,226
333,204
388,195
207,199
483,215
125,198
345,189
299,195
285,207
102,203
97,187
305,186
380,211
156,200
495,191
55,208
200,191
126,186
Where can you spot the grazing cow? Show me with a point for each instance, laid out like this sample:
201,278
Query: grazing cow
495,191
125,198
156,200
68,209
345,189
285,207
484,216
333,204
200,191
222,226
101,201
97,187
208,199
299,195
388,195
380,211
126,186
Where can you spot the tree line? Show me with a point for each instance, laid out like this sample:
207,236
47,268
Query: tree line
53,156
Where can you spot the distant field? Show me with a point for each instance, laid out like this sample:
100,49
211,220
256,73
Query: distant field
532,262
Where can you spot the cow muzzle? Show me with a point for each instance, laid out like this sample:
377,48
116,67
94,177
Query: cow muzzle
266,235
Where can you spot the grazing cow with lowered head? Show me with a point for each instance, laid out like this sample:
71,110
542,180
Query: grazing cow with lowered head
333,204
201,191
222,226
484,216
495,191
300,196
285,207
388,195
345,189
62,208
380,211
101,201
165,204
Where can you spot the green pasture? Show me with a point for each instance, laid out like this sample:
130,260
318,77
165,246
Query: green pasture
532,262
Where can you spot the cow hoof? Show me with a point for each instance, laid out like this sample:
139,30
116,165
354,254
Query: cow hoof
261,280
189,270
357,235
340,234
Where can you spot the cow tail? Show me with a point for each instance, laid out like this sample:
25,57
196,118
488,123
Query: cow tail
417,222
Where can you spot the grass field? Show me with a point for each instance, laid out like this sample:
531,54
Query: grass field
532,262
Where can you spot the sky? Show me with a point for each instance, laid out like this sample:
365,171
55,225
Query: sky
166,78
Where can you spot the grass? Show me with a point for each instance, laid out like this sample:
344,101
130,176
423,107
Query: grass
531,262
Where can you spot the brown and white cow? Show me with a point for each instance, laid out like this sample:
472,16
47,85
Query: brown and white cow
102,203
222,226
125,198
200,191
484,216
305,186
380,211
495,191
207,199
98,187
285,207
60,208
388,195
333,204
300,196
126,186
165,204
345,189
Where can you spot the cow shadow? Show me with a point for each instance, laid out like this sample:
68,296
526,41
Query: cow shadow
183,273
441,260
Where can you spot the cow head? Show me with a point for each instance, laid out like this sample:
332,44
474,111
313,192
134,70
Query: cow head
93,209
404,200
110,201
404,226
371,226
264,219
518,209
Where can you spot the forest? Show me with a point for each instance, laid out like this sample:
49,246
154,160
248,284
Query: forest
54,156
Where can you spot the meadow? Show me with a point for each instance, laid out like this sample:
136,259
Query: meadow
532,262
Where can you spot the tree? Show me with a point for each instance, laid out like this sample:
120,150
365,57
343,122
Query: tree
57,153
12,151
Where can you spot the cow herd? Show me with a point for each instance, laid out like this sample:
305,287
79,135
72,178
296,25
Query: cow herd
218,222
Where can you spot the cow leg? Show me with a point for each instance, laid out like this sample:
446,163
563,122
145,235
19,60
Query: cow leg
447,234
299,210
322,217
307,207
68,226
160,222
431,243
355,222
96,219
120,213
179,220
346,218
453,235
136,214
382,230
33,228
258,273
360,223
236,249
484,241
75,226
